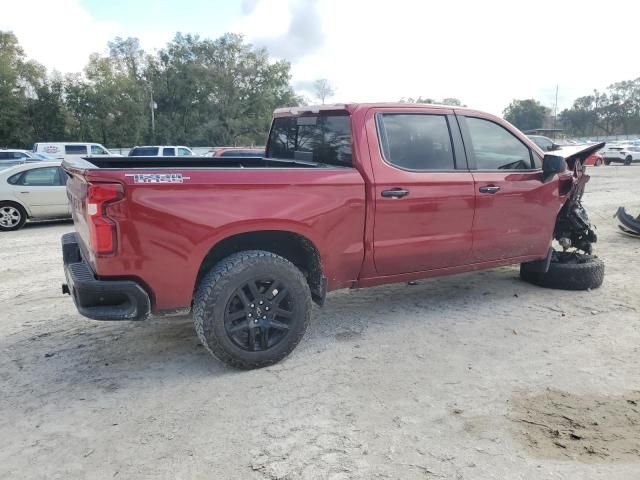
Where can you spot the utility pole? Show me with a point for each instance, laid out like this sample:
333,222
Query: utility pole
555,112
153,105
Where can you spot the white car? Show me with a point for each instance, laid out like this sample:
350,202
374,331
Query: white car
32,191
160,151
71,150
626,153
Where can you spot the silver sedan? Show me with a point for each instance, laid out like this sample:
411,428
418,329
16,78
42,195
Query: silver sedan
32,191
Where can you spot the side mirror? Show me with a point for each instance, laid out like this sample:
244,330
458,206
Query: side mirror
552,164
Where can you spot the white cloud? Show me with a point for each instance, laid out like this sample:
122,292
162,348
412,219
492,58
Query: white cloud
485,53
59,34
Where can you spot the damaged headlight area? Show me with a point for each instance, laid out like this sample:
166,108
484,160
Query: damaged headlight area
574,230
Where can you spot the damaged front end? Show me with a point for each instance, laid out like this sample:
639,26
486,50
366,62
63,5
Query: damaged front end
573,228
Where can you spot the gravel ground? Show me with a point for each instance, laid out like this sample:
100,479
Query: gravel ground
473,376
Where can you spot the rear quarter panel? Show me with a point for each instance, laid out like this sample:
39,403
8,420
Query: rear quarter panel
166,230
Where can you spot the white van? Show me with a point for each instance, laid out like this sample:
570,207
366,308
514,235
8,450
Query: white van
63,150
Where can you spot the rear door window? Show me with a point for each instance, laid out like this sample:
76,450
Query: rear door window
75,149
168,152
416,141
315,138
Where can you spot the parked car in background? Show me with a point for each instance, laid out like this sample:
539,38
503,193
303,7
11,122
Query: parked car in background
11,157
594,160
237,152
625,153
17,154
161,151
545,143
32,191
68,150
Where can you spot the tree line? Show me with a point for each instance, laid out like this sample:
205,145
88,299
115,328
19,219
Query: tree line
614,111
214,92
200,91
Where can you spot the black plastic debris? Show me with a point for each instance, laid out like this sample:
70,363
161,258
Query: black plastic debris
627,223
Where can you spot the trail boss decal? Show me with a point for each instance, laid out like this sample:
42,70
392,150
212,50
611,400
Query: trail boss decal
157,177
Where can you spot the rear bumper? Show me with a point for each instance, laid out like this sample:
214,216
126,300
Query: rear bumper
100,299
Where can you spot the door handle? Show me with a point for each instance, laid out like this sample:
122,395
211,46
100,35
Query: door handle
395,193
489,189
24,192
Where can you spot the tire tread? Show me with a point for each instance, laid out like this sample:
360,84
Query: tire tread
567,276
214,281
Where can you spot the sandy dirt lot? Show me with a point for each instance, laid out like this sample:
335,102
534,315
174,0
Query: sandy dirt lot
477,376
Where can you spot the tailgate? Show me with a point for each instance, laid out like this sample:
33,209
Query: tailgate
77,193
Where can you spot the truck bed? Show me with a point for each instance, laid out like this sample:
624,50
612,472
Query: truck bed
175,210
195,162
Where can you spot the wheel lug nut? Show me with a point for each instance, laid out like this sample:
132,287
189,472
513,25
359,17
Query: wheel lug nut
267,309
252,305
255,321
261,302
264,318
249,315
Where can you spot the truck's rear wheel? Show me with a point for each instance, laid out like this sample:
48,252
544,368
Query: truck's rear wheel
567,271
252,309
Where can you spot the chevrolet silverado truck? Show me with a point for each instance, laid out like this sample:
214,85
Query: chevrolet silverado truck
346,196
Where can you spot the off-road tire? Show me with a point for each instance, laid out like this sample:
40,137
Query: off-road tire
23,216
628,160
581,273
215,290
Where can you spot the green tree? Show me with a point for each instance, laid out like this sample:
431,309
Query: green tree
526,114
217,92
46,111
19,80
323,89
452,101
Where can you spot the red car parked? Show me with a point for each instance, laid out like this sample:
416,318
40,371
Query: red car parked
595,160
346,196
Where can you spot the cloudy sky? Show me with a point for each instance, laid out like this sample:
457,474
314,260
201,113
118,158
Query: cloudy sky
484,52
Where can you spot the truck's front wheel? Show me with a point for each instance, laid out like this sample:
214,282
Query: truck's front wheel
252,309
567,271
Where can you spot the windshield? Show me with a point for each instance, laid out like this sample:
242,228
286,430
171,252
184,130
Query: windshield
317,138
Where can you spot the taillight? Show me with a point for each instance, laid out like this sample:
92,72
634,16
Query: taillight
101,228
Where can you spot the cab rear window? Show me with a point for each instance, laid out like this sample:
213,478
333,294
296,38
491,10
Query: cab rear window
314,138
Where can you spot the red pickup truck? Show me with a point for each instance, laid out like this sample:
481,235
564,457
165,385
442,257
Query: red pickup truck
346,196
